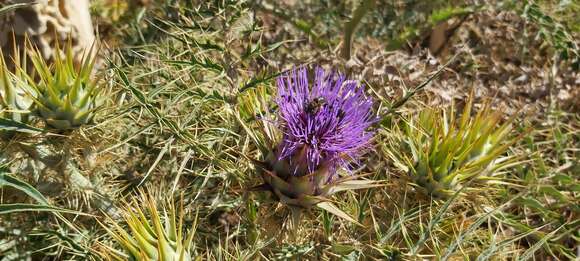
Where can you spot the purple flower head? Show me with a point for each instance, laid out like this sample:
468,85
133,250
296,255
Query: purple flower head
323,122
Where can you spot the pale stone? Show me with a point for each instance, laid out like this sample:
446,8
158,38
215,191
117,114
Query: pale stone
47,22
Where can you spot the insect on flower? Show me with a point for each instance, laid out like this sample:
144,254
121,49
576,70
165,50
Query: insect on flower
325,122
325,126
313,106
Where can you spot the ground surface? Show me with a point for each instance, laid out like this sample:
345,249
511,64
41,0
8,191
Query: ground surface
177,73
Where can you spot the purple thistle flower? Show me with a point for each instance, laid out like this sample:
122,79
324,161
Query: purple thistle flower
325,123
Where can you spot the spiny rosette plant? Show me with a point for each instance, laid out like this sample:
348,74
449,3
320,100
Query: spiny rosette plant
441,152
15,94
322,128
151,234
67,96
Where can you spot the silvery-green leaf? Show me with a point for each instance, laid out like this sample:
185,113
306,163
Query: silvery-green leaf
328,206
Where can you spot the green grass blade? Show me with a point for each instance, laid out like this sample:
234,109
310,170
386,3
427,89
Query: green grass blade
21,207
12,7
8,180
11,125
436,219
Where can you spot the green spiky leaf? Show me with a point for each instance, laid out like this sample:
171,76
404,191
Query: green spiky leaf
66,96
152,234
440,151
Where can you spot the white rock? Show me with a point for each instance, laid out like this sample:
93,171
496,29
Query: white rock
49,21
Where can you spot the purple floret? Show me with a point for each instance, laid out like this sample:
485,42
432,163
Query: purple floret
324,122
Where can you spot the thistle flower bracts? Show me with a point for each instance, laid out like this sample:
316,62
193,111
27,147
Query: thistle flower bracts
324,126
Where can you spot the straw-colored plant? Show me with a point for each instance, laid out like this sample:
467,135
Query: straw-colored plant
150,233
